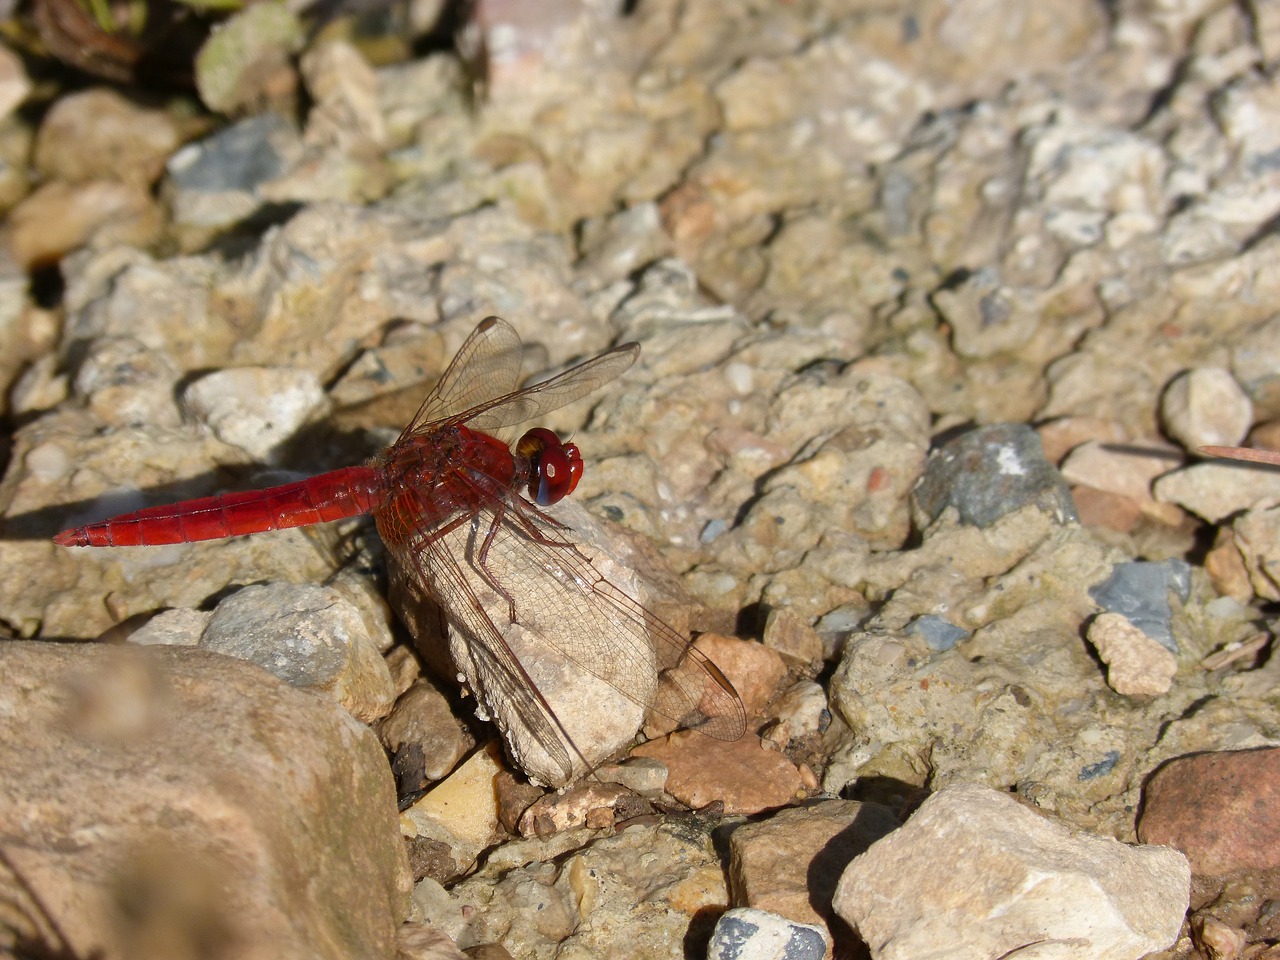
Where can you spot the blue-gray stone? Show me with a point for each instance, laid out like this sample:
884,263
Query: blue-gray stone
1139,590
1104,766
939,634
745,933
990,472
239,158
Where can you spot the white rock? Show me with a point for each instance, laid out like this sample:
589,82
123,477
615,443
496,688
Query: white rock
802,707
1137,665
1205,407
179,627
255,408
1214,491
308,636
974,875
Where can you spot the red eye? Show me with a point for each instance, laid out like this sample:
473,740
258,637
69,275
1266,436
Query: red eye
554,467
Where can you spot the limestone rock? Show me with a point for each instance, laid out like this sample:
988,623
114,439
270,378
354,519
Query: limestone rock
973,874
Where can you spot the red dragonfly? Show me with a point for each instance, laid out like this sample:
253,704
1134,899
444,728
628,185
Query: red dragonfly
462,515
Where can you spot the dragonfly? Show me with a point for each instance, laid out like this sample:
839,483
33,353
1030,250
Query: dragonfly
464,516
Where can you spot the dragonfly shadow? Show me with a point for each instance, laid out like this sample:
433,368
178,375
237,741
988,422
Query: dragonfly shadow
305,453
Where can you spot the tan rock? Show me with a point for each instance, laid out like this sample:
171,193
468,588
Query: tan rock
160,798
1137,665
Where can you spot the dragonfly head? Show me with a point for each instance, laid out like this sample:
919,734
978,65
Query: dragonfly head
554,467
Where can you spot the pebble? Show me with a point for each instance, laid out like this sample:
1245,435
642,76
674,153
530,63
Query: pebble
1127,469
308,636
15,85
98,134
974,874
1139,591
425,739
644,776
803,708
791,637
989,472
256,408
1137,665
217,181
1255,540
345,90
246,62
1220,809
754,669
1206,407
61,217
749,934
1214,491
1063,434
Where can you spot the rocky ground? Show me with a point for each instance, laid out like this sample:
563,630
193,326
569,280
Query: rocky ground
937,303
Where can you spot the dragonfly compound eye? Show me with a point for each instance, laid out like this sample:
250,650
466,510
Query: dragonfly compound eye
554,467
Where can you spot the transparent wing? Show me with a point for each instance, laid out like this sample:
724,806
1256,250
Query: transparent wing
486,366
597,626
478,388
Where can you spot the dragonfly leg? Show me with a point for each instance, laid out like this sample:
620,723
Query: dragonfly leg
482,558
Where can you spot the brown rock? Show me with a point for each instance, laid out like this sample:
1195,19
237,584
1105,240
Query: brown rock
60,217
515,796
1102,508
754,669
743,774
791,636
1226,568
1059,437
160,798
790,863
1220,809
98,134
422,719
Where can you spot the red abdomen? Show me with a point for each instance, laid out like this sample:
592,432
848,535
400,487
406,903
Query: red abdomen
329,496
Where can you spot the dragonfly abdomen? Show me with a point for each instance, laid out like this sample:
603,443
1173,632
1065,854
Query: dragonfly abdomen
328,496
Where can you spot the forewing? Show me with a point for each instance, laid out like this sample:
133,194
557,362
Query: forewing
486,367
541,398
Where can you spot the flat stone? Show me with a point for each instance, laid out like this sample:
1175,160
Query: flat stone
1137,665
742,774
